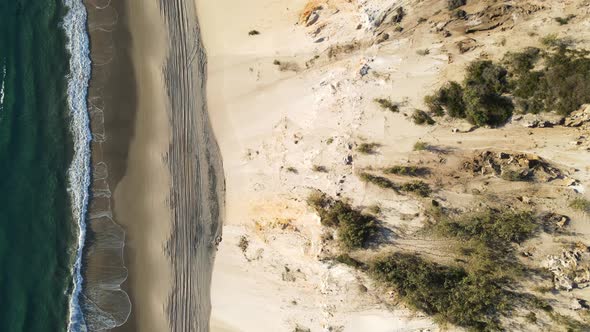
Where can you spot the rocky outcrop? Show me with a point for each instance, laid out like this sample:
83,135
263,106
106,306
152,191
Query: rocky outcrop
568,269
541,120
579,117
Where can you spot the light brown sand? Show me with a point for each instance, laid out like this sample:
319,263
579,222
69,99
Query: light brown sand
141,205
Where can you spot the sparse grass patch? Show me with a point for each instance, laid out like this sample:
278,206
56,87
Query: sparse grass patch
244,243
387,104
423,52
319,169
580,204
515,175
379,181
420,117
407,170
368,148
421,146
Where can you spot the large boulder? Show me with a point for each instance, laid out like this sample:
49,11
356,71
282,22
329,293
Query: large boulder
579,117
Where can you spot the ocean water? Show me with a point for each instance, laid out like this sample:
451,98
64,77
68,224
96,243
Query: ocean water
44,162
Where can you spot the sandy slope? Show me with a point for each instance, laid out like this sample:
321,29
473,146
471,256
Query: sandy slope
267,120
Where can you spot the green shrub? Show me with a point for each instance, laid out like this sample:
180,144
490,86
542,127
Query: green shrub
420,146
423,52
580,204
564,20
420,188
407,170
420,117
367,148
449,293
354,228
454,4
485,83
494,228
292,169
380,181
253,33
449,97
387,104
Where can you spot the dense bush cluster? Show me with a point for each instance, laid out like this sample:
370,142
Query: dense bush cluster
449,293
354,228
494,228
530,81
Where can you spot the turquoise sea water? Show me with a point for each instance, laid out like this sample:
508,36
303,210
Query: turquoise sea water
39,228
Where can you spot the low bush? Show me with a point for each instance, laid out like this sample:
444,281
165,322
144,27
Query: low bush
367,148
387,104
420,146
564,20
354,228
495,228
449,293
407,170
253,33
420,188
420,117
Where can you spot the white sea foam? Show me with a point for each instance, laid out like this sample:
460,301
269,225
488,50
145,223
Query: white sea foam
79,172
2,87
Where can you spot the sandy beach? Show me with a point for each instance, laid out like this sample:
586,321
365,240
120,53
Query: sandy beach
159,160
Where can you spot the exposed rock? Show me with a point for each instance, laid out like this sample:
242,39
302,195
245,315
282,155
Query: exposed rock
542,120
566,267
466,45
529,165
579,117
